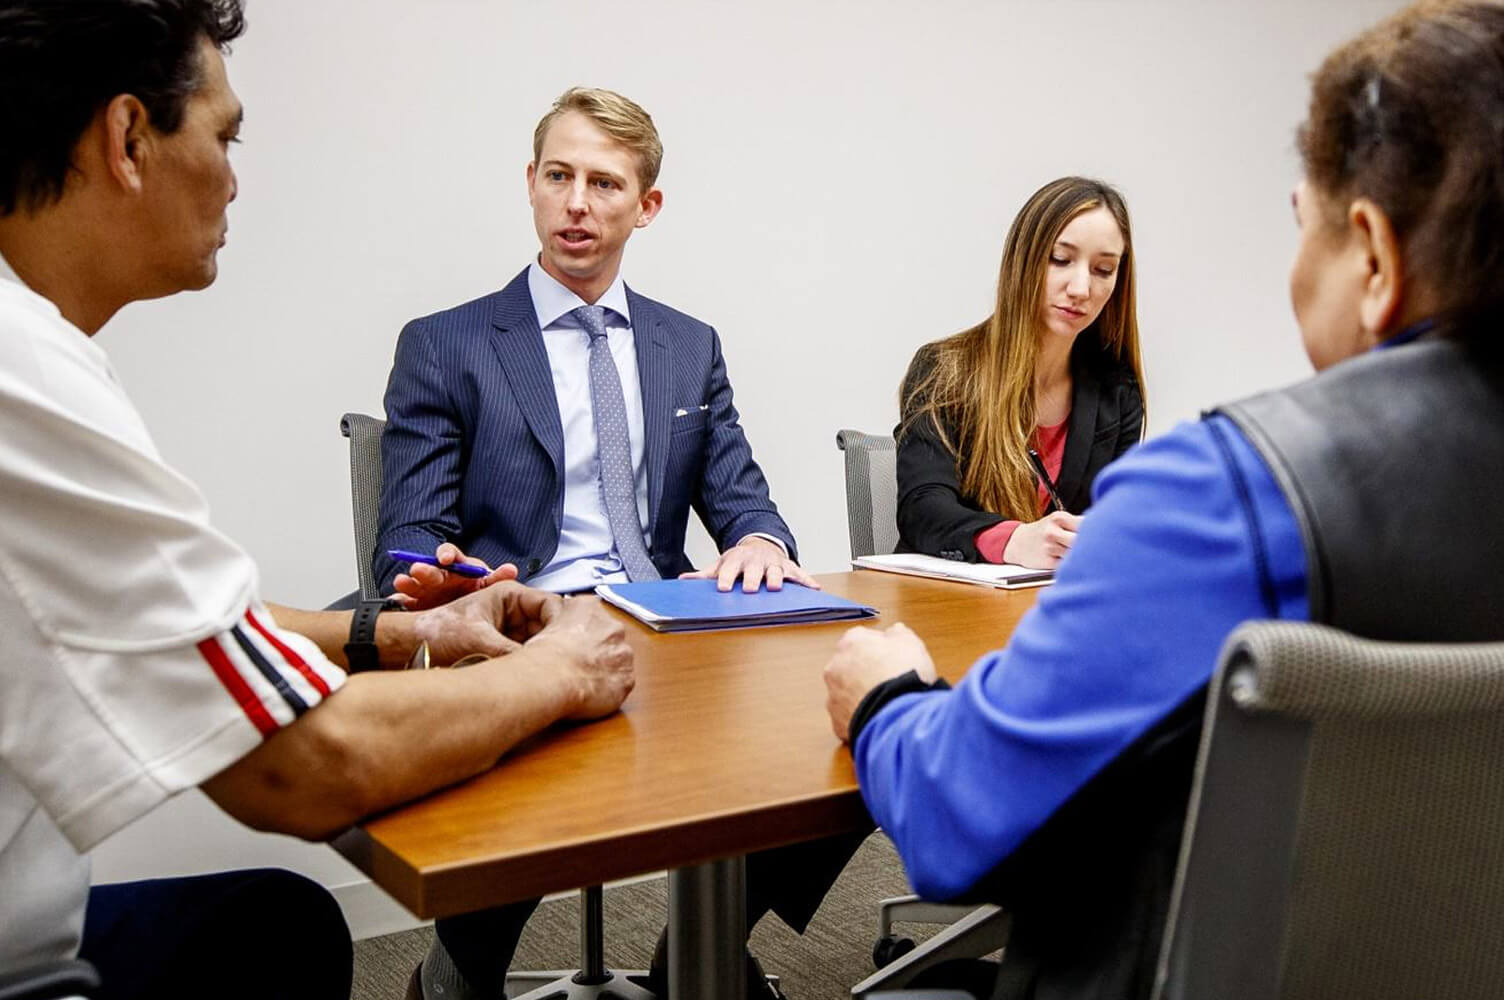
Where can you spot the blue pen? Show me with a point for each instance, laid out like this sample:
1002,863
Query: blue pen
463,569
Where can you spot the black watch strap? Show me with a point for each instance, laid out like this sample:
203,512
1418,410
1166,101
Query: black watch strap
360,652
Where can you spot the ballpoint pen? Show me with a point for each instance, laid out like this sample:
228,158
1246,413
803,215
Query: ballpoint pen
1044,479
463,569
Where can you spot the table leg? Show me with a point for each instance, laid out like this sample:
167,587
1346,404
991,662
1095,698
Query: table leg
707,930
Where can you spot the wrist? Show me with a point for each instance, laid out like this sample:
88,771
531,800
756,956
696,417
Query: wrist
397,637
393,636
878,697
369,622
549,672
996,543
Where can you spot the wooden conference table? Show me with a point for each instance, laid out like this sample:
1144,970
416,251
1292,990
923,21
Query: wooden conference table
723,748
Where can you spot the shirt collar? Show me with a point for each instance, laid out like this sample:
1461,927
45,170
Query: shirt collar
7,273
1412,332
553,302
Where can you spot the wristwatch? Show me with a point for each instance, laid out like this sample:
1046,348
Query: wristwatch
360,652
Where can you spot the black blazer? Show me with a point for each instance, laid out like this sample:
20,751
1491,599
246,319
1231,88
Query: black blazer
934,517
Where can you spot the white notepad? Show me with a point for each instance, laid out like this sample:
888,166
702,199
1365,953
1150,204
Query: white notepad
1003,575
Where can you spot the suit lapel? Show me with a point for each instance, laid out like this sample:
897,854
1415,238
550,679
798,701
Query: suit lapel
1079,439
519,347
650,338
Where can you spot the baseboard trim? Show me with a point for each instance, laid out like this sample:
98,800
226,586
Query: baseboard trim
370,912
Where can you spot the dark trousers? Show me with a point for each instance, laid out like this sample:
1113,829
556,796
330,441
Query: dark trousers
233,936
791,881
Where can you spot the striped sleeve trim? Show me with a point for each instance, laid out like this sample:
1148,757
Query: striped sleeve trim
292,658
229,675
268,679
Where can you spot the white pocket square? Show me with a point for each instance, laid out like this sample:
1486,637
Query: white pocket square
682,412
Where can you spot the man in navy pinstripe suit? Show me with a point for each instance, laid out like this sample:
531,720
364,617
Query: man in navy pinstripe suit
491,440
499,443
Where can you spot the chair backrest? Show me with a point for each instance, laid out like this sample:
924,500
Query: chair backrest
364,433
1346,829
871,492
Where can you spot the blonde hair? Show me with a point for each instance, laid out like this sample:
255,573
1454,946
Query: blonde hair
620,118
982,379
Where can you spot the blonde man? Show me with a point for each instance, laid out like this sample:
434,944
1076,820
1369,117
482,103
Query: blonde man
561,429
529,491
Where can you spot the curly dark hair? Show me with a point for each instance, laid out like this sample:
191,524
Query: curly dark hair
1410,115
63,60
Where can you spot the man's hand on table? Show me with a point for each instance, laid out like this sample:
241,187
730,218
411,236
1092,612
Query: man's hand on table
755,560
589,645
424,586
865,658
494,621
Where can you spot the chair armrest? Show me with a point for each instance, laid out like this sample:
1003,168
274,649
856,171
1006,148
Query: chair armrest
68,977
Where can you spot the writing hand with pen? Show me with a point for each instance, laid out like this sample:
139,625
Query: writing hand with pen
440,578
1043,543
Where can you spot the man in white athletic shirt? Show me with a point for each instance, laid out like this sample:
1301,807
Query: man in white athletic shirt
136,657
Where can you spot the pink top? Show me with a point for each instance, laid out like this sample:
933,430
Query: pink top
1050,443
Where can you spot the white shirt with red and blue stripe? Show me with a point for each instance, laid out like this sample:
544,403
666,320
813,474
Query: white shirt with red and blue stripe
136,659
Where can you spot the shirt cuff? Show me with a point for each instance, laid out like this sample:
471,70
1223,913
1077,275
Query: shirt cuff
878,698
993,542
772,538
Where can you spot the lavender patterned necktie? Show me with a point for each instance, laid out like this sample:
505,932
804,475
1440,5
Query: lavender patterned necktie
618,484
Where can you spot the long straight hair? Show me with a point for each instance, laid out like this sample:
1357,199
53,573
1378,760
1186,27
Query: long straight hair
982,381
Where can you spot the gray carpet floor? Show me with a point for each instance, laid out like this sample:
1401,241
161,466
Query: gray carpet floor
833,954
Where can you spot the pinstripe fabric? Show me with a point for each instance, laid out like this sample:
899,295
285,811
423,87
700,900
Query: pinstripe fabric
474,451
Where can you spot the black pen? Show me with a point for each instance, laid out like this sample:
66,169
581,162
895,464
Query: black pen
1044,479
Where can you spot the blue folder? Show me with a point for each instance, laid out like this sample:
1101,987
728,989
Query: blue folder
695,605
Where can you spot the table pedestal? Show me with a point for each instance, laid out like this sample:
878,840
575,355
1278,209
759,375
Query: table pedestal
707,930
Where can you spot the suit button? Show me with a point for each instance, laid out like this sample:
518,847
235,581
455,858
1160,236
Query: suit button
534,565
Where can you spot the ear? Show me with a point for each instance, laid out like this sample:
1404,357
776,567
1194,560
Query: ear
532,173
1383,293
127,141
648,209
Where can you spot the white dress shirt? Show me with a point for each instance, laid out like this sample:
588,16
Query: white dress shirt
587,553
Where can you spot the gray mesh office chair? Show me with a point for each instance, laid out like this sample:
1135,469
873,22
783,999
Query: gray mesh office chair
1345,836
593,979
1346,831
871,492
364,432
872,522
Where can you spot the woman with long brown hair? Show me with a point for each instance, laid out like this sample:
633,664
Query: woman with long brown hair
1055,371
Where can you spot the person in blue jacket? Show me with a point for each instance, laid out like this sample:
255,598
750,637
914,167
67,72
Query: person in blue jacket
1054,777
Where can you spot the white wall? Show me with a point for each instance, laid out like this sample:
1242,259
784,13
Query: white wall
838,180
